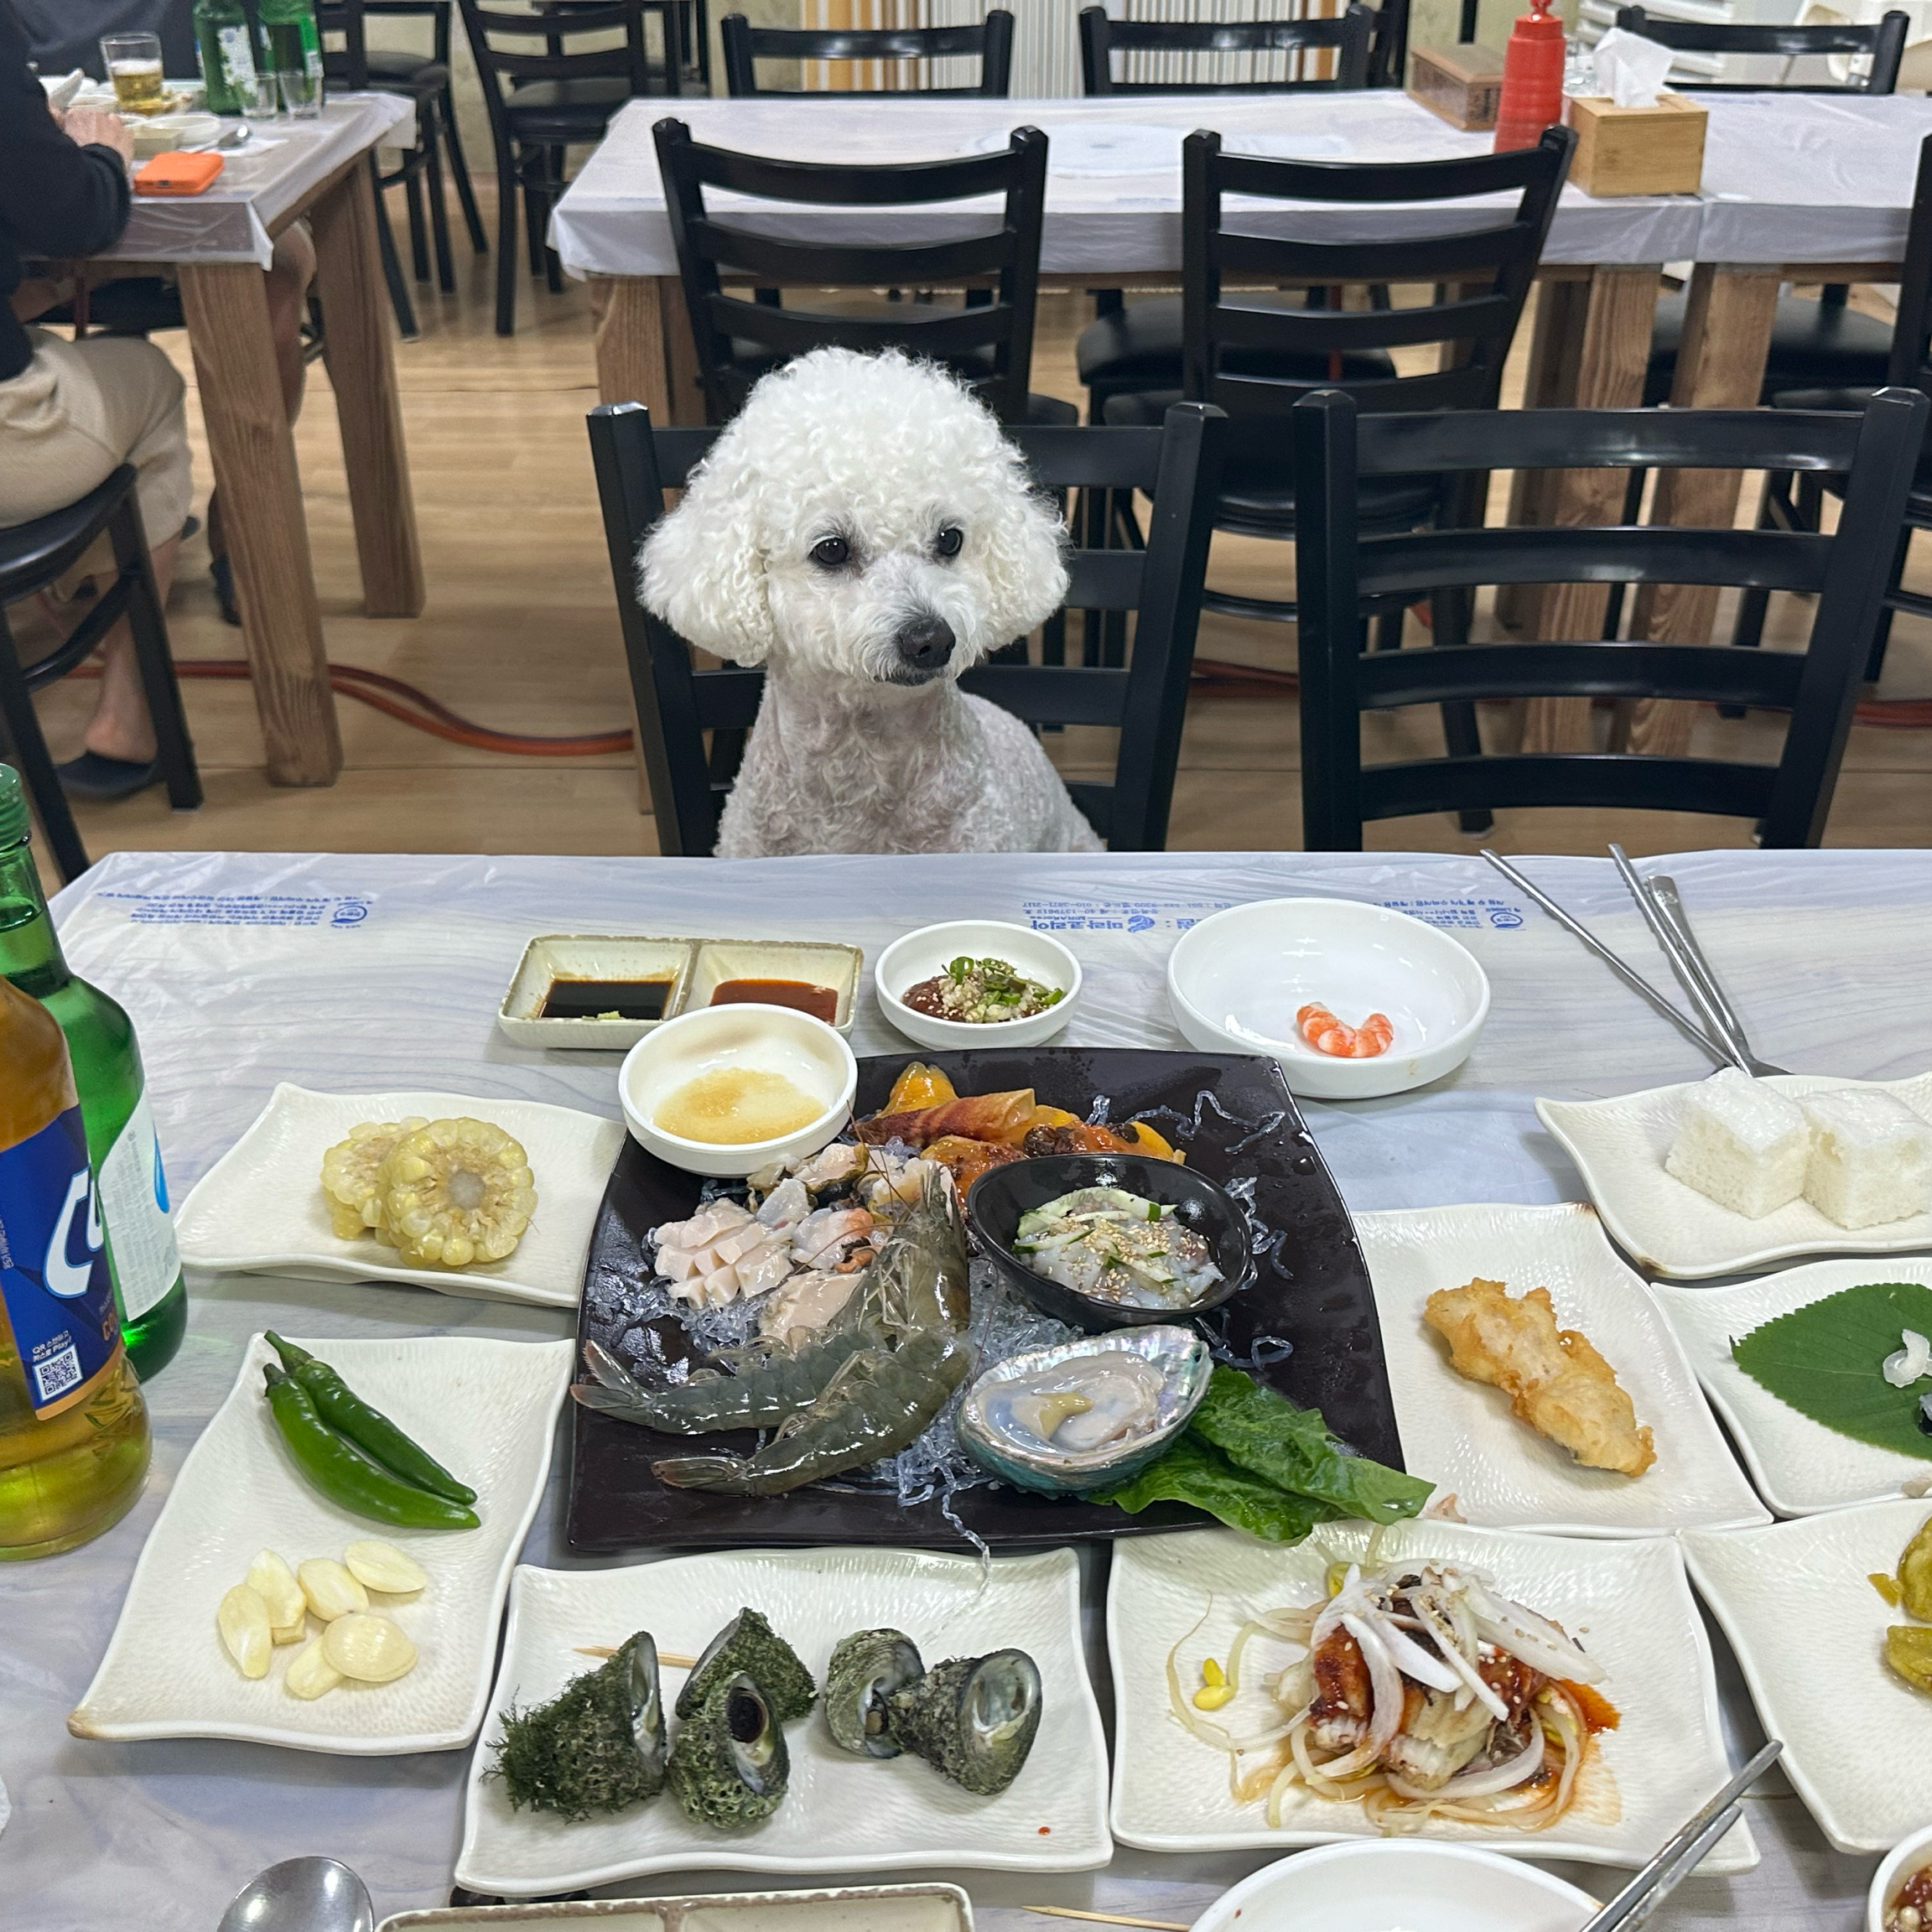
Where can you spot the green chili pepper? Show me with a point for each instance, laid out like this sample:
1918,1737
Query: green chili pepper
369,1429
345,1475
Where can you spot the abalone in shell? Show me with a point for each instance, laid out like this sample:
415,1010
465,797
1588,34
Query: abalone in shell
728,1766
749,1644
865,1670
973,1718
1088,1414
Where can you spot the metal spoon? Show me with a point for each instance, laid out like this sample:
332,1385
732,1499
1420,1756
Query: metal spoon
301,1895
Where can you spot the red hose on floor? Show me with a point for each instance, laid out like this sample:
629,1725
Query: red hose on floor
1212,676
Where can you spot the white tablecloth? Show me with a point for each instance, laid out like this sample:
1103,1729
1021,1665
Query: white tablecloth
257,184
374,972
1787,178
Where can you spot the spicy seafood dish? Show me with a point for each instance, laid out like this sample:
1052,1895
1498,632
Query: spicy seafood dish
831,1304
1416,1689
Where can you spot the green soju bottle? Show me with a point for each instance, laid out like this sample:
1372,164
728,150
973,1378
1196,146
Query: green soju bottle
231,55
294,42
132,1195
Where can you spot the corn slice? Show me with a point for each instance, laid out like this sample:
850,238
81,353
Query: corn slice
455,1192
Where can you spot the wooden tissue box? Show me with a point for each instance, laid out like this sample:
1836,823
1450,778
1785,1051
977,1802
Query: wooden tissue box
1462,83
1636,150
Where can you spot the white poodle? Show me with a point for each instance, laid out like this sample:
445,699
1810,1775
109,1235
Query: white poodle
864,531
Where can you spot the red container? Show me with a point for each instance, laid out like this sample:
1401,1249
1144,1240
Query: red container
1532,79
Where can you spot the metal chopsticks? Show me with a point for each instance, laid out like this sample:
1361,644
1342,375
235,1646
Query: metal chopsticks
1635,981
1681,1856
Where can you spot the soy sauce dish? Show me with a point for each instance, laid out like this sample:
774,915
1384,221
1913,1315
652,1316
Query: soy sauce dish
1003,1197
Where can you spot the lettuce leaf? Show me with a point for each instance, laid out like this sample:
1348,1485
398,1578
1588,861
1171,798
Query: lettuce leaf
1195,1472
1295,1450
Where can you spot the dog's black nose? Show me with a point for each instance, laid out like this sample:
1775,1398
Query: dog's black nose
926,642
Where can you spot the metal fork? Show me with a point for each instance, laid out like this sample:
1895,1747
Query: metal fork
1663,910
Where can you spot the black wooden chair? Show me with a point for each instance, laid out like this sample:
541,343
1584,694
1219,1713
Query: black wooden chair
990,344
1821,341
393,64
541,103
1345,568
1480,276
677,704
688,19
1796,500
1348,38
990,41
426,84
33,556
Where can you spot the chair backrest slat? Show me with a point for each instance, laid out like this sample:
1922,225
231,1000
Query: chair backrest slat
710,245
1883,41
991,40
1344,41
498,66
1178,465
1341,573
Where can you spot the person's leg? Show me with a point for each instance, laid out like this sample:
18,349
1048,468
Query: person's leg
111,400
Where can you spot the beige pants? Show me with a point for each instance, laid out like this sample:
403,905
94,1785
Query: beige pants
81,409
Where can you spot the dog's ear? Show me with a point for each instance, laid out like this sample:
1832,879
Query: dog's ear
701,571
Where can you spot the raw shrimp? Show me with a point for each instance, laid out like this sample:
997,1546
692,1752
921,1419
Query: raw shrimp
766,1394
1326,1034
877,1403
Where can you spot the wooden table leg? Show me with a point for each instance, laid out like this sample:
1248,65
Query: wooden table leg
1549,382
1611,353
628,328
226,306
362,361
1719,366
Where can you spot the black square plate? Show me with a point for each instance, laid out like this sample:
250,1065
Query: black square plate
1310,1289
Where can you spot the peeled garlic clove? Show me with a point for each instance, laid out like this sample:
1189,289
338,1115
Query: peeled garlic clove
311,1674
242,1618
281,1634
371,1649
331,1590
381,1565
273,1581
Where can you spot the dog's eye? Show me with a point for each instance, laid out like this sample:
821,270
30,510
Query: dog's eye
830,553
947,541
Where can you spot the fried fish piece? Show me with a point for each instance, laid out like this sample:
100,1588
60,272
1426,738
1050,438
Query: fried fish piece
1556,1382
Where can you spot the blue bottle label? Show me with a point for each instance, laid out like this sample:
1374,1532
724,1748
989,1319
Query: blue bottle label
54,1264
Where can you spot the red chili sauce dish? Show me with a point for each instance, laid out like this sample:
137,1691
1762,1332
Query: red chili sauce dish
821,1002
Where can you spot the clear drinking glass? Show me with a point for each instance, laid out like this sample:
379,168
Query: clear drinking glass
301,94
257,96
133,66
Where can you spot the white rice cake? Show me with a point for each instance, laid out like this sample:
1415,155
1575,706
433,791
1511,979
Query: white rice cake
1870,1157
1743,1145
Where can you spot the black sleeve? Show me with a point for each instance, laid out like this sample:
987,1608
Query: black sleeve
55,199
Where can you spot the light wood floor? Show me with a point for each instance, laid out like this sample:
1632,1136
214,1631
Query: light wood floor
521,634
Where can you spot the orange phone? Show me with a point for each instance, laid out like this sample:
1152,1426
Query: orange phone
176,174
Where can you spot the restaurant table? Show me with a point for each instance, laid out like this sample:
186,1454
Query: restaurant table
371,972
1814,186
215,246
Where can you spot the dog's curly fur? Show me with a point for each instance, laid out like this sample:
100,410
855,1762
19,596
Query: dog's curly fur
817,539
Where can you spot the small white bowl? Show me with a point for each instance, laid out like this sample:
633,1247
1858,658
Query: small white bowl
1378,1884
919,955
777,1039
1901,1862
1235,981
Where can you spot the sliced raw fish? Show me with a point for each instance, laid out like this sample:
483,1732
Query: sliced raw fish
817,1239
763,1268
786,1205
702,1230
804,1305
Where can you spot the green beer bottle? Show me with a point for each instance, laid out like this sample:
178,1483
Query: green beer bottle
231,55
132,1197
294,42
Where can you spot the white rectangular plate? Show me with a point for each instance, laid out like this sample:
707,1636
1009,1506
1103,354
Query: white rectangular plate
1460,1435
1809,1630
852,1909
841,1813
1800,1465
486,1411
259,1210
1619,1146
1628,1603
